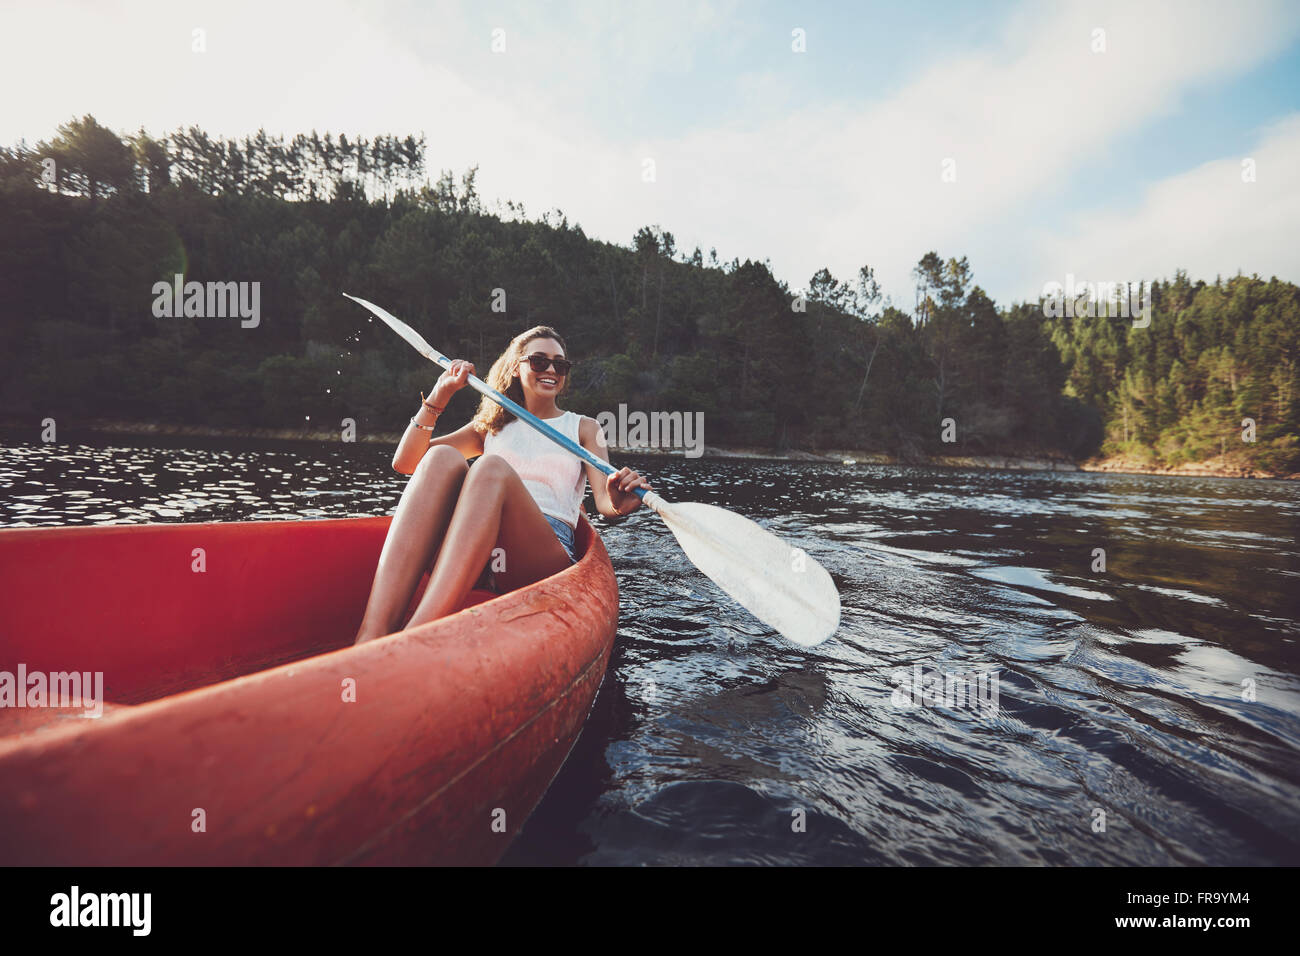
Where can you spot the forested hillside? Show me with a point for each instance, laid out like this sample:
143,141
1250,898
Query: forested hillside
1218,362
84,238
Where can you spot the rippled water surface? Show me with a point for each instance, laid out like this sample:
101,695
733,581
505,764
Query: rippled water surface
1159,697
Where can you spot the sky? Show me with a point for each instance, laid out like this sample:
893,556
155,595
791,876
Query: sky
1104,141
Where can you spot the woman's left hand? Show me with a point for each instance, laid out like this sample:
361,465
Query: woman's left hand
620,485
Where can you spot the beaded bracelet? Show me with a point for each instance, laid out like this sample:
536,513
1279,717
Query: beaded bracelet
433,408
418,425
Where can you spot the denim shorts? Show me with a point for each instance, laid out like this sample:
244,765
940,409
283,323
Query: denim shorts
564,533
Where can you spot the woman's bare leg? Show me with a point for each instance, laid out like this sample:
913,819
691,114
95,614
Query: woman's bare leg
418,528
494,510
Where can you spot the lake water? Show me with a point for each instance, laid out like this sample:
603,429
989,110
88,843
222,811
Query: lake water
1145,714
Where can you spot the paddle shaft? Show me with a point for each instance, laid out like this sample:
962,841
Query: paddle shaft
416,341
525,415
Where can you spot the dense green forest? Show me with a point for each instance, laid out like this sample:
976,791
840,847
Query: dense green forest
91,220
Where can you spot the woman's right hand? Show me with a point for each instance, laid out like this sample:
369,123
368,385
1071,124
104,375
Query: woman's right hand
451,381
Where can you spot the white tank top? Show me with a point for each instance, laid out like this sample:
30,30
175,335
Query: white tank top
554,477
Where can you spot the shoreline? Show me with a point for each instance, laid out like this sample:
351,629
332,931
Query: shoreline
1214,468
1217,467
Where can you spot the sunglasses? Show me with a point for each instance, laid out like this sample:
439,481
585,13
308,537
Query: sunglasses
540,363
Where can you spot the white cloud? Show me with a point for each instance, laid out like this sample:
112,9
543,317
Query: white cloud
843,186
1207,221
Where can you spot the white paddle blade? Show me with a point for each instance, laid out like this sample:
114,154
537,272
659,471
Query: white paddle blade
413,338
781,586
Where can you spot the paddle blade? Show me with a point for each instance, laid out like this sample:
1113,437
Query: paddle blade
781,586
413,338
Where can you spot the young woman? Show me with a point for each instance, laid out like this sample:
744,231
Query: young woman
523,495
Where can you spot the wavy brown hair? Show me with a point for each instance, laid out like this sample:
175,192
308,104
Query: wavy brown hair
504,377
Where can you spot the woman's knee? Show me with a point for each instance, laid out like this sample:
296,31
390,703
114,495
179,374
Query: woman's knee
442,460
490,468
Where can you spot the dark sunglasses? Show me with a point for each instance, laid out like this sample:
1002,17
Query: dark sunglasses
541,363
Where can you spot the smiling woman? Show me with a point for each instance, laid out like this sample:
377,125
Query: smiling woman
512,516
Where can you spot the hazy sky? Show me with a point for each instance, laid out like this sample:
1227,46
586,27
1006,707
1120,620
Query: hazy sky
1111,165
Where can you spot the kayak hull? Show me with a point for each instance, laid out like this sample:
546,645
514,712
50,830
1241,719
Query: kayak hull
240,725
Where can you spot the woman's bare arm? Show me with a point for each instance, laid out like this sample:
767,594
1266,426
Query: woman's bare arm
418,437
613,494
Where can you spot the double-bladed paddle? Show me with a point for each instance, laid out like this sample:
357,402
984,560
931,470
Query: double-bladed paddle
781,586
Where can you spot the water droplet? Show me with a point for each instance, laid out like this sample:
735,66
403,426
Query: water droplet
308,418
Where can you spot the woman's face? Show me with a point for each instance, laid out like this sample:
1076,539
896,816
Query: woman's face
548,383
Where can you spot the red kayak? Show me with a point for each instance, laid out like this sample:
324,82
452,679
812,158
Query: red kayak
240,725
